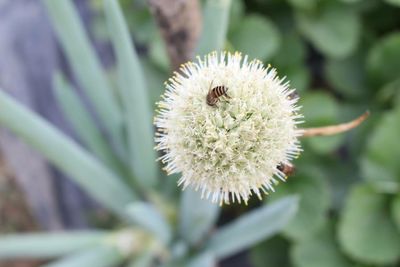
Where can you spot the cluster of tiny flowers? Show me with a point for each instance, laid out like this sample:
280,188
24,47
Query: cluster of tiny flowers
230,150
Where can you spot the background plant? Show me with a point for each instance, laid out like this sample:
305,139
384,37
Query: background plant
342,56
117,165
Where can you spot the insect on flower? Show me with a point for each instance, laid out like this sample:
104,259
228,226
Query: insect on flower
215,93
287,169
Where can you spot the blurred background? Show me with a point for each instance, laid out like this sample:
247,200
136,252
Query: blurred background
342,56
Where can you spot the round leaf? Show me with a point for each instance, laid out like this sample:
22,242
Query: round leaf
348,76
321,109
393,2
314,202
334,30
319,251
257,37
383,61
366,231
380,161
304,4
291,52
271,253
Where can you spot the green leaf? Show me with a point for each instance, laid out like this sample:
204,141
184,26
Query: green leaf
101,256
348,76
271,253
314,202
334,29
203,260
252,228
158,53
383,62
85,65
380,161
81,121
319,251
142,260
215,25
155,79
393,2
236,14
197,216
395,209
366,231
99,181
47,245
149,218
304,4
257,37
298,76
134,97
321,109
292,51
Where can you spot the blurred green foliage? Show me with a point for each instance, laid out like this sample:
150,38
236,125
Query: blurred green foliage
343,57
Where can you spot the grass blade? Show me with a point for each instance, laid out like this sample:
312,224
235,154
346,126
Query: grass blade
215,26
84,169
101,256
253,227
134,97
85,65
47,245
82,122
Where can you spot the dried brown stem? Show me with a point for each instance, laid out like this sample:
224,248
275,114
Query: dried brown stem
334,129
180,25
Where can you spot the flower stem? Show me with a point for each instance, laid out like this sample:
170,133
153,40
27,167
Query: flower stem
334,129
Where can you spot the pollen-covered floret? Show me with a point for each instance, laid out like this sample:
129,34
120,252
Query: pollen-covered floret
232,149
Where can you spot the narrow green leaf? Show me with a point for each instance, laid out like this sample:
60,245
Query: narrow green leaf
47,245
81,121
215,25
319,251
85,65
366,230
252,228
148,217
197,216
101,256
99,181
135,98
203,260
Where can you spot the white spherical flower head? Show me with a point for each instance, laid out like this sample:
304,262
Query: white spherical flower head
229,150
